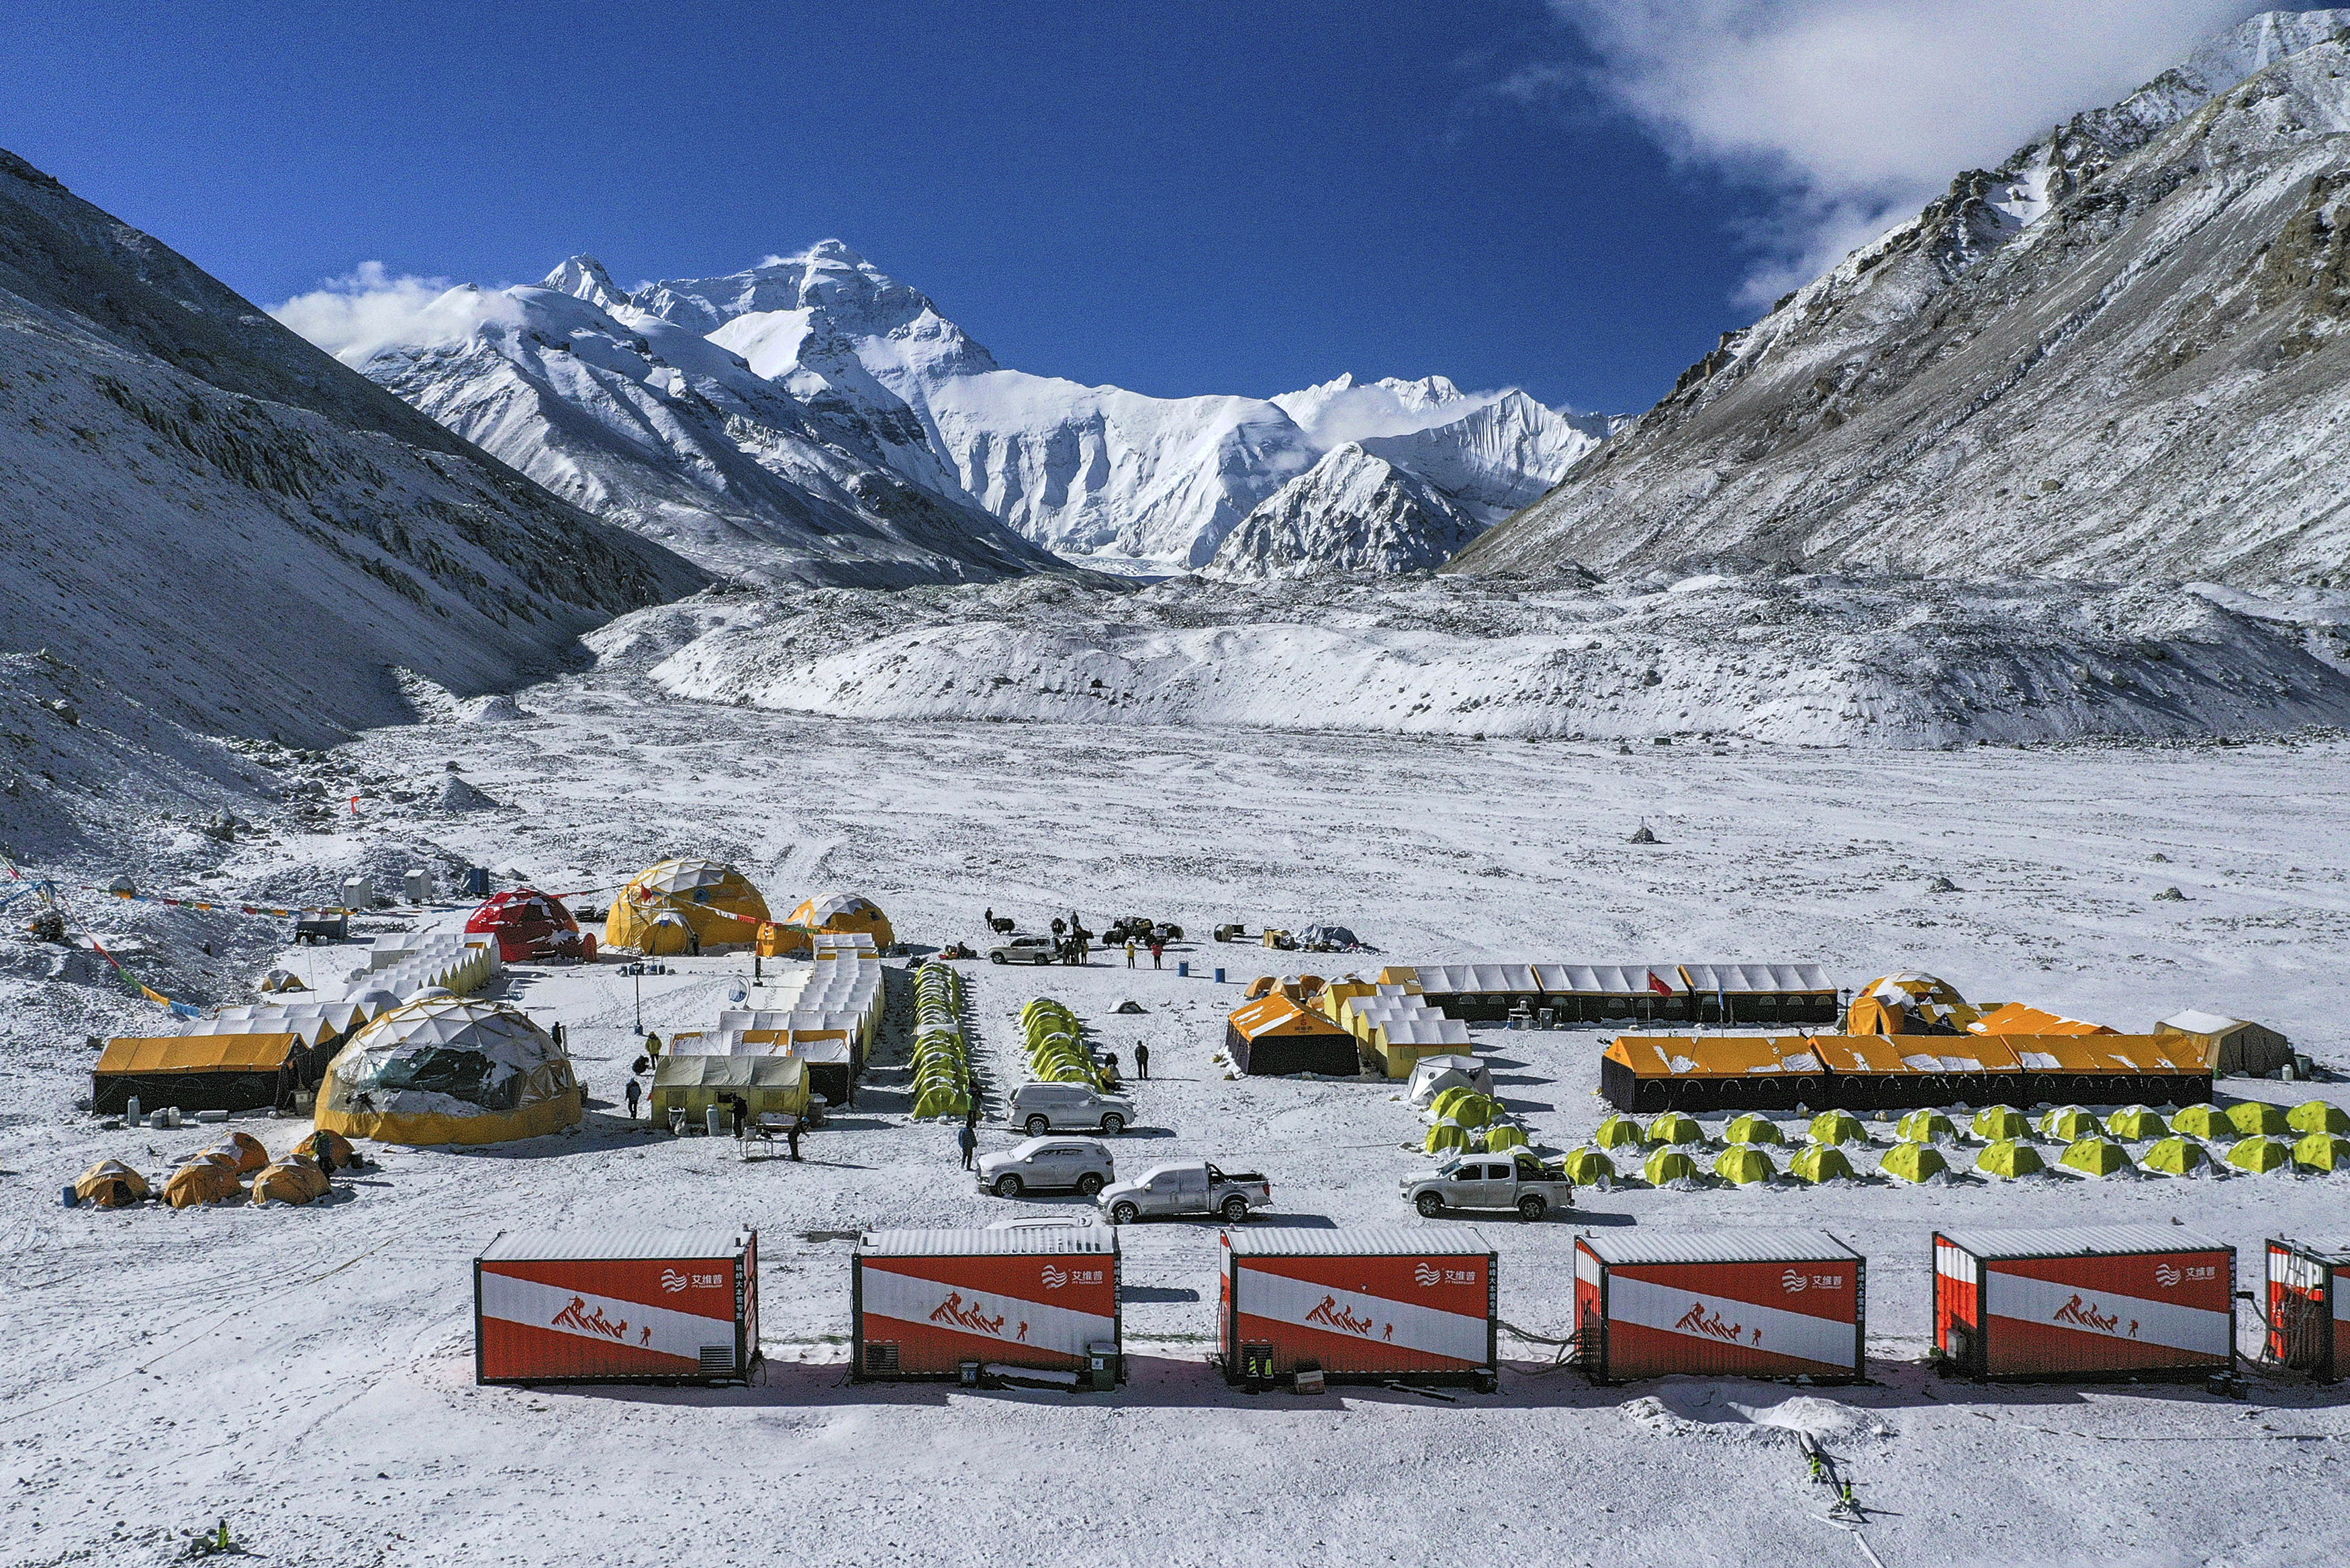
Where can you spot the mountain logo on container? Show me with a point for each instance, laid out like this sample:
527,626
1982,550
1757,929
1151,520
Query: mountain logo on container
2082,1315
1793,1281
587,1320
972,1315
2166,1274
1333,1316
1055,1278
1698,1320
1427,1274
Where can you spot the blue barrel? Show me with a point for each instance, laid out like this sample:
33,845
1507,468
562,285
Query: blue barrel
72,1197
1220,977
1183,966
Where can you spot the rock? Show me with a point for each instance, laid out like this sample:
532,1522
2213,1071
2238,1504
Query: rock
224,827
123,887
2160,858
1643,835
1941,885
2170,895
456,795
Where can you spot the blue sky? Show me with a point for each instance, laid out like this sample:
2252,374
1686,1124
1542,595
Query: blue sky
1202,197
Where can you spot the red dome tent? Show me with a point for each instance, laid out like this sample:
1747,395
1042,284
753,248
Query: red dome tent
529,924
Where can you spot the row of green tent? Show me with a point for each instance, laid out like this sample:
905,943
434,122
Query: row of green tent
2066,1125
1743,1164
1056,1044
942,1076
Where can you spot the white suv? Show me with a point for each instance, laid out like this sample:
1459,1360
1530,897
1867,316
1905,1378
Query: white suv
1041,1108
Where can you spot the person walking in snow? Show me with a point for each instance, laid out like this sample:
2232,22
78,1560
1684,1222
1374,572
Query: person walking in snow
1141,1060
792,1136
968,1136
635,1093
653,1047
1129,952
1158,953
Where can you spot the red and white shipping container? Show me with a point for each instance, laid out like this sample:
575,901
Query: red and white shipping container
924,1302
1381,1303
1737,1304
617,1306
2084,1301
2309,1307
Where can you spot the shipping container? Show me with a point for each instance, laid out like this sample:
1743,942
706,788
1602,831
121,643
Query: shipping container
924,1302
617,1306
2309,1306
1742,1304
1376,1304
2084,1301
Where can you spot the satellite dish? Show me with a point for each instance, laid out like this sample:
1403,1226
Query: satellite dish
738,993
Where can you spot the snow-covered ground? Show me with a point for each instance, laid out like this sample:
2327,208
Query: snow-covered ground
307,1373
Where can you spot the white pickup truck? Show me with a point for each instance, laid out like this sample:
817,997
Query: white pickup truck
1491,1181
1185,1187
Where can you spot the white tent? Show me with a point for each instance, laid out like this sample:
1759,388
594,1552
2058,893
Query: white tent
1432,1075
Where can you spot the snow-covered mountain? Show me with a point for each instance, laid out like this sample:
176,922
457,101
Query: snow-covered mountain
1351,512
2123,352
210,524
852,391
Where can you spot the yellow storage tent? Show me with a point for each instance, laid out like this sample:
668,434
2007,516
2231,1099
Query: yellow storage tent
111,1184
448,1069
2008,1159
1907,1003
777,1084
2015,1018
711,900
198,1072
290,1182
845,914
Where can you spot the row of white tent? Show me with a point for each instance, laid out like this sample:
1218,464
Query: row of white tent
411,961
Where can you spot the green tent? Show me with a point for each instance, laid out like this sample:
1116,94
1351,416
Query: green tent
1473,1111
2002,1123
1833,1127
1669,1165
1617,1132
1442,1105
2096,1156
1502,1136
2258,1118
2068,1124
1752,1128
2260,1155
1821,1162
1588,1168
1743,1164
1927,1126
2008,1159
1914,1161
1448,1136
1673,1127
2206,1121
2137,1124
2318,1117
2178,1156
940,1100
2322,1151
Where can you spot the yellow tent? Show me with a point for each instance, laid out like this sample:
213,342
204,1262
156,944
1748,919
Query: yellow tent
241,1152
2259,1118
1907,1004
845,914
1744,1164
290,1182
1617,1132
713,900
2204,1121
2069,1123
448,1069
334,1144
777,1085
2317,1117
201,1182
1821,1162
111,1184
2008,1159
1833,1127
1914,1162
2177,1156
1673,1127
2259,1155
2322,1151
1588,1167
2001,1124
2137,1124
1669,1165
1751,1129
2096,1155
1927,1126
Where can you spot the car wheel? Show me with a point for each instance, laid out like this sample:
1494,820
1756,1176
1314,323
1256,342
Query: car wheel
1038,1127
1531,1206
1123,1213
1429,1204
997,958
1235,1211
1007,1187
1113,1124
1089,1185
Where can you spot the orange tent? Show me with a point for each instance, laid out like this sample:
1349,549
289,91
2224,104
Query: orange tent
201,1182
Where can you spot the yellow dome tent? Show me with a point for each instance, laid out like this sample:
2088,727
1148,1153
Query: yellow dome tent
1926,1127
1673,1127
450,1069
1751,1128
2096,1155
1832,1127
2259,1118
1447,1136
1617,1132
1821,1162
2206,1121
843,914
712,900
1669,1165
1744,1164
334,1144
2260,1155
109,1184
1588,1168
2008,1159
2178,1156
2069,1123
2318,1117
2137,1124
2002,1123
1502,1136
241,1152
1906,1004
2322,1151
201,1182
290,1182
1914,1162
1473,1110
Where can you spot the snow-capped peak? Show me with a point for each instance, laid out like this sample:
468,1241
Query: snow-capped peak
584,277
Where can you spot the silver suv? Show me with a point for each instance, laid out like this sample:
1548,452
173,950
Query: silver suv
1024,950
1042,1108
1081,1164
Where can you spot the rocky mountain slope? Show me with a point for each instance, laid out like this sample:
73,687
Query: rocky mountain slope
2121,354
876,418
211,526
1351,512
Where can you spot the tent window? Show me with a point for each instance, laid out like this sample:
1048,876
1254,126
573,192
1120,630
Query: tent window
461,1075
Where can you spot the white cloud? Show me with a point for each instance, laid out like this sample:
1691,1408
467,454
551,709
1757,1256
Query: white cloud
366,311
1856,112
